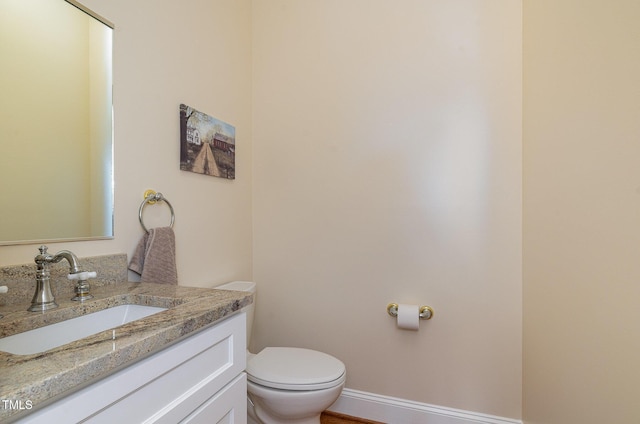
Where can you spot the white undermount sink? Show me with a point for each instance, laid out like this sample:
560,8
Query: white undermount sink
58,334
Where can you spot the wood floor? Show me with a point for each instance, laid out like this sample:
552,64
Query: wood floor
335,418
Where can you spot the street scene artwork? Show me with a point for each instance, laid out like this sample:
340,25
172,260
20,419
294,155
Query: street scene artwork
207,145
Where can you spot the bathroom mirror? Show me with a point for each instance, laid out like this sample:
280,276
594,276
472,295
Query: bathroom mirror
56,132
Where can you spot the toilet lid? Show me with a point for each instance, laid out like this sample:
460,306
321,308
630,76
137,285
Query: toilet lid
291,368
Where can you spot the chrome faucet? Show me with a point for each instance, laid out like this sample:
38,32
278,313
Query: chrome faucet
43,298
3,289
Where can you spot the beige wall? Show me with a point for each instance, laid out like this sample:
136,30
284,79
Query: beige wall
387,163
581,211
196,52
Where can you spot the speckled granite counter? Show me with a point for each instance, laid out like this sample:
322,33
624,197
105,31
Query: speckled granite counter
42,377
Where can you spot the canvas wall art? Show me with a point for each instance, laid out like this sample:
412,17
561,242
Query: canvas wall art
207,145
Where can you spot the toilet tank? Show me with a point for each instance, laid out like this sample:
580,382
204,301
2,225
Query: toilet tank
244,286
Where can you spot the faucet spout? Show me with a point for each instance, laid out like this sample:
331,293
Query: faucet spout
70,257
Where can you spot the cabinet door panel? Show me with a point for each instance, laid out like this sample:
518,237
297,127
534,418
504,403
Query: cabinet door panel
212,362
229,406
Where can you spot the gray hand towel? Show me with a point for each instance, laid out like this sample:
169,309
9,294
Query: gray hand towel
155,257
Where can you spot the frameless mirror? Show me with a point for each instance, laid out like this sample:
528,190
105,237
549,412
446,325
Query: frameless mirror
56,143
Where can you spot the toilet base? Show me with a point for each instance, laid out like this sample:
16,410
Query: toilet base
308,421
250,420
269,406
257,415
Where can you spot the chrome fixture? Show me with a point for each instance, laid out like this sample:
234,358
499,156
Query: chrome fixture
151,198
3,289
425,312
82,287
43,298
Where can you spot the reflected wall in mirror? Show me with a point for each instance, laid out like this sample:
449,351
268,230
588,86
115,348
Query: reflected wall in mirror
56,142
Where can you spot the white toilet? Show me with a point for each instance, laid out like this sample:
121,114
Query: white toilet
285,384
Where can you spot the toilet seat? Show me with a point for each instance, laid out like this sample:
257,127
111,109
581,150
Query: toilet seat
297,369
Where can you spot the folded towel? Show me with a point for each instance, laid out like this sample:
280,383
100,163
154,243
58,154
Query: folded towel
155,257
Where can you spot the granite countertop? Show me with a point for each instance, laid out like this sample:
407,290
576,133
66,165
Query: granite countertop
42,377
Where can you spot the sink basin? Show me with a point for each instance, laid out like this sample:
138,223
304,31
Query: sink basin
58,334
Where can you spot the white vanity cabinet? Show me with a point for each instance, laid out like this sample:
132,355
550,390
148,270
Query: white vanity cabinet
199,379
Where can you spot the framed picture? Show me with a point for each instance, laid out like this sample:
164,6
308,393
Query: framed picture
207,145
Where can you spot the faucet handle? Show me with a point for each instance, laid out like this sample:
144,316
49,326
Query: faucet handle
82,275
3,289
82,287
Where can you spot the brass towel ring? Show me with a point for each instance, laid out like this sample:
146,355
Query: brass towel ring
151,197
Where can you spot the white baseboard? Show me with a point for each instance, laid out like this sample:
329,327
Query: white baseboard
400,411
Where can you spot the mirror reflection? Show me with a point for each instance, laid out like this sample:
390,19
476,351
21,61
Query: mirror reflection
56,144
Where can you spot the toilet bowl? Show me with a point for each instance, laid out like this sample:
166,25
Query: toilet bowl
287,385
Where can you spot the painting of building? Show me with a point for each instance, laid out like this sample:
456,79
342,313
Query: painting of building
207,144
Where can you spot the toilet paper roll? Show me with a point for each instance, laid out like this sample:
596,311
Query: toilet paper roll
408,317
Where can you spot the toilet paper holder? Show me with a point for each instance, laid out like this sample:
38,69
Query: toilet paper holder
425,311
